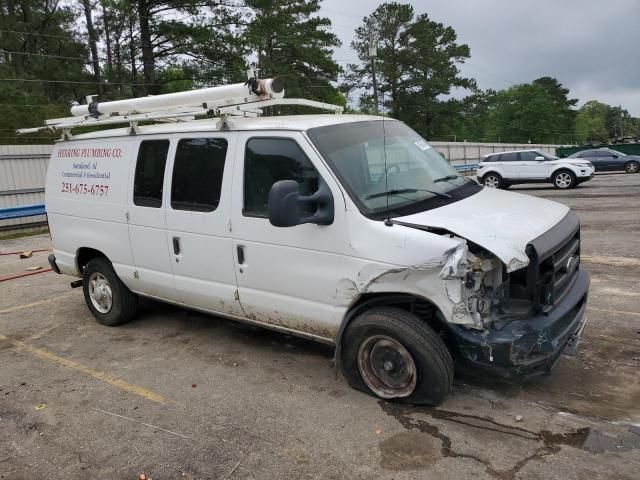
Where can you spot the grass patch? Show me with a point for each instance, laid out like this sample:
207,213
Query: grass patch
30,233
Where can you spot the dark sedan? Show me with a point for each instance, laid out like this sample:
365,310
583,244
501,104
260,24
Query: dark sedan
609,160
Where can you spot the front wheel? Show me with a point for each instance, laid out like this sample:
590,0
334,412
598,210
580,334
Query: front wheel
632,167
564,179
392,354
109,300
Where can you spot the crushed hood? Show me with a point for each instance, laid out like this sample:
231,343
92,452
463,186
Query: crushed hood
501,222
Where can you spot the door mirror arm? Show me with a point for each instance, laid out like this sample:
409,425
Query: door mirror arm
285,204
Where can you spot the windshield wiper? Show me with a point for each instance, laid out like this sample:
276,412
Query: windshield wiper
446,179
399,191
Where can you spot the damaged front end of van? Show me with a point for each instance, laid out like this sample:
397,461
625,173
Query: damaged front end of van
516,316
511,308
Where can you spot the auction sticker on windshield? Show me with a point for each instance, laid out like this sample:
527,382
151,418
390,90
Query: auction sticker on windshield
422,145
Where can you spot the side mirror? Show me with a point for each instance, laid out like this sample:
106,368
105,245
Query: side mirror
540,159
285,204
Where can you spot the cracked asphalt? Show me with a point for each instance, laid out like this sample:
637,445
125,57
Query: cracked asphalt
177,394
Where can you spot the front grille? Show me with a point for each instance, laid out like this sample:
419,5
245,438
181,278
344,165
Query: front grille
557,271
554,261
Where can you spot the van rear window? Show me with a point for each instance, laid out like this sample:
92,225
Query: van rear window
197,174
149,177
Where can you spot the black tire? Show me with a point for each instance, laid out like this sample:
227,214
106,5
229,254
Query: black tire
564,179
124,303
432,361
492,180
632,167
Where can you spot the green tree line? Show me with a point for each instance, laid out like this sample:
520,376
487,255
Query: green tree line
56,51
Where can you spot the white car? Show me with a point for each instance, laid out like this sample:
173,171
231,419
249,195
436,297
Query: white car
503,169
345,229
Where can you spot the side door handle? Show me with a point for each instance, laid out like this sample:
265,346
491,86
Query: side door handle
176,245
240,250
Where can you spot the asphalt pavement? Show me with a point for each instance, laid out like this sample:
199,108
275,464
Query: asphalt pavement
177,394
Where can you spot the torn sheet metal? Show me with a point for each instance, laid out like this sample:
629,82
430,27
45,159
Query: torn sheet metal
440,280
505,232
456,262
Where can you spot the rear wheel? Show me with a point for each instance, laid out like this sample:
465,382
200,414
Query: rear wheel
392,354
492,180
564,179
632,167
109,300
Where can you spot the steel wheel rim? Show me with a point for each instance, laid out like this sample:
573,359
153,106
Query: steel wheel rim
563,180
100,292
387,367
632,168
491,181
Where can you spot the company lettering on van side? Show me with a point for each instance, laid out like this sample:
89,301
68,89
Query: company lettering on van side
90,153
79,174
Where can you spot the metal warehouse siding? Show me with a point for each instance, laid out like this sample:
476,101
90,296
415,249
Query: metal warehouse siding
23,170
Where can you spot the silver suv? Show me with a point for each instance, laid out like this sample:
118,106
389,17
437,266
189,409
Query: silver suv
503,169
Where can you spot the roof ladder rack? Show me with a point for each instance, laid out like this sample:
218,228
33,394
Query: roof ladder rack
244,99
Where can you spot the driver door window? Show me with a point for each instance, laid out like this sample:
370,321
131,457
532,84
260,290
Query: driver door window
269,160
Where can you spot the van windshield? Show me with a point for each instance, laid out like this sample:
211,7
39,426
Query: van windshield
415,172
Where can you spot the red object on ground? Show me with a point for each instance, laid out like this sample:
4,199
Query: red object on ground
18,253
19,275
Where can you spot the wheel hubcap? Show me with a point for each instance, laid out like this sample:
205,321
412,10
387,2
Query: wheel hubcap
563,180
632,168
387,367
491,182
100,292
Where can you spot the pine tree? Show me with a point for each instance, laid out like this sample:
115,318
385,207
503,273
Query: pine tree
42,64
417,64
290,40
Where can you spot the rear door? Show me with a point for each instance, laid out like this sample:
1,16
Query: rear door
614,160
198,222
606,160
147,227
509,165
286,276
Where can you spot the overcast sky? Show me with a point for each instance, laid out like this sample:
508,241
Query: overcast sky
590,46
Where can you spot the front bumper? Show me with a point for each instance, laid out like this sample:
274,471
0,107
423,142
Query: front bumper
521,349
585,174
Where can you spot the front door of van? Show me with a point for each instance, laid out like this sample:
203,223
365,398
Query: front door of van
198,222
286,275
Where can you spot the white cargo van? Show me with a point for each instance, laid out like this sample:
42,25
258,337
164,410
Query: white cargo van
345,229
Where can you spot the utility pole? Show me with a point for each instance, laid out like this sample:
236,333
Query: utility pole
373,53
93,39
621,119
